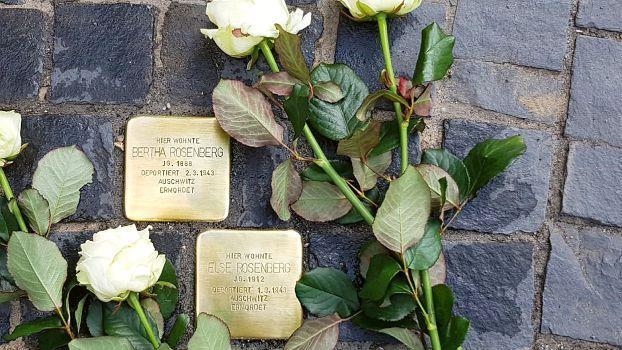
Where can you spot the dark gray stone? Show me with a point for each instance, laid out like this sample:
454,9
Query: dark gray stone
21,53
193,64
494,288
251,189
516,91
5,318
358,43
583,282
595,111
103,53
300,2
529,33
11,2
517,199
601,14
592,189
94,136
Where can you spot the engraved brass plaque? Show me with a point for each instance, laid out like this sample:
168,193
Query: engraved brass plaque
176,169
248,279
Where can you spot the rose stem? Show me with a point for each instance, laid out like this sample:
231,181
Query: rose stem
322,160
135,304
403,127
10,197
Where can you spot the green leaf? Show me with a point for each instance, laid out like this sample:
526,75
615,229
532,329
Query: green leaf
245,115
286,189
435,56
122,321
79,312
368,251
288,47
315,173
151,307
164,346
95,318
101,343
433,176
321,202
325,291
4,229
337,121
452,165
401,219
366,322
353,216
211,333
297,108
33,327
53,339
490,158
390,135
382,269
401,305
70,286
328,91
372,100
367,172
41,275
317,334
405,336
179,330
424,254
443,305
36,209
166,296
361,143
59,177
455,334
280,83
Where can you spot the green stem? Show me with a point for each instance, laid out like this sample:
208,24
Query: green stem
383,28
66,327
322,161
135,304
403,127
8,192
429,304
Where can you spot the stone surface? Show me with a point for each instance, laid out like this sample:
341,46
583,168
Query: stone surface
595,111
601,14
193,64
529,33
5,314
21,53
251,179
94,136
103,53
517,199
592,189
358,43
583,283
494,288
517,91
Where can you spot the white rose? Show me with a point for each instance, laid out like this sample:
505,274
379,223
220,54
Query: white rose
10,138
243,24
366,9
119,261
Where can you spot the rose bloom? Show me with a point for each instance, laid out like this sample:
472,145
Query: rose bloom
119,261
367,9
243,24
10,138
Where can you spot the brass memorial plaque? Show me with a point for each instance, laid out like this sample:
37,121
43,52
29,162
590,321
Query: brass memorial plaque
248,279
176,169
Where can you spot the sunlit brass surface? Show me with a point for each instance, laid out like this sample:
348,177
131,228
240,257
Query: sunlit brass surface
248,279
176,169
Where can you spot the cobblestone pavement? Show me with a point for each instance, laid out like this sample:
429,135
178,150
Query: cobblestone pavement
535,261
